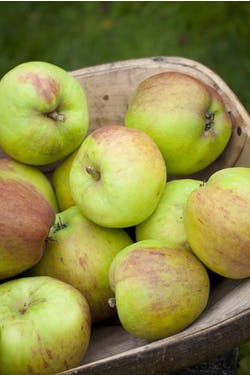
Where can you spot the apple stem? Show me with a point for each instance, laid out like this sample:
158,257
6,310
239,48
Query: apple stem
56,116
93,172
112,302
59,225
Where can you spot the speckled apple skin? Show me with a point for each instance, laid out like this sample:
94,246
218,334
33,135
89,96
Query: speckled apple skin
217,222
159,289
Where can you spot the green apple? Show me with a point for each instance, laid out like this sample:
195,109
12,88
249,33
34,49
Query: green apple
217,222
117,176
25,219
186,118
80,252
167,221
44,114
60,180
30,174
159,289
44,326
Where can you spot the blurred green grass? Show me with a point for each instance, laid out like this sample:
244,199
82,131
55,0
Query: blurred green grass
78,34
244,364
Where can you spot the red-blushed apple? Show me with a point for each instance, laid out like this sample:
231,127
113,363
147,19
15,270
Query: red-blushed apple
44,114
80,252
159,289
217,222
30,174
186,118
117,176
44,326
167,221
60,180
25,219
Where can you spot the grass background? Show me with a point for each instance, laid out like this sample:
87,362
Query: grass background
78,34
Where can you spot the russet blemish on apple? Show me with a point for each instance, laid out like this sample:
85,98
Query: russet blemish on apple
46,87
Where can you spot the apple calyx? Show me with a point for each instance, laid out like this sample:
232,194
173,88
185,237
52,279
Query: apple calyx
209,120
56,116
93,172
112,302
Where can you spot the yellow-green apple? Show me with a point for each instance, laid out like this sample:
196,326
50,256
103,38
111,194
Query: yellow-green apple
117,176
60,180
80,252
30,174
167,221
217,222
44,326
25,219
44,114
186,118
159,289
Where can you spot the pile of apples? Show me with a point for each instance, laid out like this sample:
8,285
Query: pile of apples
120,227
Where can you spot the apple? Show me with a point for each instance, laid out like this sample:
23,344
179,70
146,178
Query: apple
167,221
80,252
30,174
45,326
60,180
159,289
44,114
117,176
186,118
217,222
25,220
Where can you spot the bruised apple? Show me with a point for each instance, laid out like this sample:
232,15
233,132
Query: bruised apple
25,219
44,114
44,326
217,222
186,119
80,252
159,289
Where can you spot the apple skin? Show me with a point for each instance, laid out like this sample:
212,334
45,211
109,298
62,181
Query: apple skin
185,118
44,114
25,220
117,176
45,326
159,289
60,181
217,222
30,174
80,252
167,221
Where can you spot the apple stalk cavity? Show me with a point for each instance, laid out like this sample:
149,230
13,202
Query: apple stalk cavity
210,117
56,116
94,173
